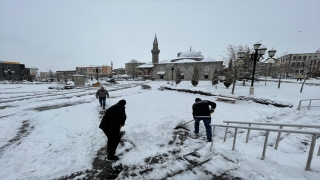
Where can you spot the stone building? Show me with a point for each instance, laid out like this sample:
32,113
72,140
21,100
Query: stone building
295,63
185,61
91,70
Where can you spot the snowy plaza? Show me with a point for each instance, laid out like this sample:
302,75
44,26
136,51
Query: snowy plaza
53,134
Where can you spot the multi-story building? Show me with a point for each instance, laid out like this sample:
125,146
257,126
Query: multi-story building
91,70
296,64
16,71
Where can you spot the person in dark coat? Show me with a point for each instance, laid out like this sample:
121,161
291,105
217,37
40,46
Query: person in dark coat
202,111
111,123
102,94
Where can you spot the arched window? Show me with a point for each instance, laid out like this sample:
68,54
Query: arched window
299,57
294,57
309,57
190,68
161,69
206,68
182,69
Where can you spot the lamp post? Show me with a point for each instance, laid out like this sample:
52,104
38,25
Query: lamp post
172,68
255,56
48,73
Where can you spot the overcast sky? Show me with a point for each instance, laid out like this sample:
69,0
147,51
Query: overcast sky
67,34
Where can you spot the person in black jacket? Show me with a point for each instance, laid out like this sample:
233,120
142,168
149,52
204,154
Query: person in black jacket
111,123
201,111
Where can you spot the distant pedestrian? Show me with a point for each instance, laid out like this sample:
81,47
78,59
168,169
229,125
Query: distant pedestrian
202,111
102,94
111,123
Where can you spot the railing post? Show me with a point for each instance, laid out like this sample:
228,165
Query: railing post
247,139
225,134
235,138
212,130
309,104
313,142
265,145
214,127
278,139
299,105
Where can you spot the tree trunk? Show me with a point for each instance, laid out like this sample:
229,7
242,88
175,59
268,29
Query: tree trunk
279,80
303,84
234,84
265,80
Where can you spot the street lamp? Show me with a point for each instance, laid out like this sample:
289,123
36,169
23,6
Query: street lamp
47,73
172,68
255,56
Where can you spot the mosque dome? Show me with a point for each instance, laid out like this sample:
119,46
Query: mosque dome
165,61
191,54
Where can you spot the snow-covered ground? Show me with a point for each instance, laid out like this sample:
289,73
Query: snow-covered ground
48,133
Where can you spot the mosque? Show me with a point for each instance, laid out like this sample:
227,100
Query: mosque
185,61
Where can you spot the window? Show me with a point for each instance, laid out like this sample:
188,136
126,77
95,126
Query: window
190,68
161,69
298,64
182,69
309,57
297,71
292,64
294,57
206,76
206,68
182,76
299,57
302,64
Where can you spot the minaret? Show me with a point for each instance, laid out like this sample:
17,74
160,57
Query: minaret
111,66
155,51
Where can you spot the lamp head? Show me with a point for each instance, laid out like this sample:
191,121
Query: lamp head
272,52
256,46
262,50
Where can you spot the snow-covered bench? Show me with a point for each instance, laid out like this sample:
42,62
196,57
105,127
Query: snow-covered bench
223,97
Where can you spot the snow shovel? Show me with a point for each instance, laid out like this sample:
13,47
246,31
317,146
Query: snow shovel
182,125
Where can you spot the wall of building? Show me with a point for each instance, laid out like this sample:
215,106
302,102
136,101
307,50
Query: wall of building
187,69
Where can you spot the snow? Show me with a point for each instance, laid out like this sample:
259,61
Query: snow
193,54
48,133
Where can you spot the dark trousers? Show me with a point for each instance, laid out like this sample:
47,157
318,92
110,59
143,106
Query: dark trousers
102,101
206,123
113,140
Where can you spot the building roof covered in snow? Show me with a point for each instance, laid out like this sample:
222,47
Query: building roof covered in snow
147,65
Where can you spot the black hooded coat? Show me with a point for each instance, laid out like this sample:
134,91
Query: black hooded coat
114,117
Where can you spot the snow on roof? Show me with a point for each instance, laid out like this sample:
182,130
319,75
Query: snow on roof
191,54
208,60
186,61
161,72
147,65
165,62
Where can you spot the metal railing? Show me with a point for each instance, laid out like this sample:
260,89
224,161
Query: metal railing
314,134
309,103
281,125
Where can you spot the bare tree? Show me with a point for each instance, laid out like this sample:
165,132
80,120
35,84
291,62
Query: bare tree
281,68
239,68
132,67
306,67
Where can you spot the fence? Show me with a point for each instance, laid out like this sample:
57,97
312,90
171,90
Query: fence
309,103
314,134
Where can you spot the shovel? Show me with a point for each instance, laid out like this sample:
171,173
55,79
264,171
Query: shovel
182,125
